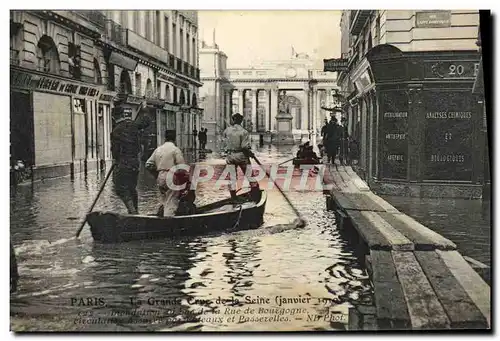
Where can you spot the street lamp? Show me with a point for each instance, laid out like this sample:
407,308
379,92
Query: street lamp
338,101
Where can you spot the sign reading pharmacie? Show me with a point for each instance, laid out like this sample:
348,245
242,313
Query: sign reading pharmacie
31,81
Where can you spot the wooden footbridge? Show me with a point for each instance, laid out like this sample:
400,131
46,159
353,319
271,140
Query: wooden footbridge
420,280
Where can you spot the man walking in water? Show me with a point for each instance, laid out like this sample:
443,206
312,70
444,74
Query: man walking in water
237,142
125,149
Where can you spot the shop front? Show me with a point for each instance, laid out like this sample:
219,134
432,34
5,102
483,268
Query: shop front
420,123
55,123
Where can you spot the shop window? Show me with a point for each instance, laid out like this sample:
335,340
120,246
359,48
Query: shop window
47,56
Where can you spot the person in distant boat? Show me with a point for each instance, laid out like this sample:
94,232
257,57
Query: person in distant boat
309,155
237,143
159,164
302,148
125,150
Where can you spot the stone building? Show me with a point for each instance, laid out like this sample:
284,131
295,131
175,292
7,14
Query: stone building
407,77
253,92
68,69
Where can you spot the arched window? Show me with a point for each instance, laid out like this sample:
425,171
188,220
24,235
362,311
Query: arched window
158,90
47,56
168,95
194,101
182,98
125,83
149,88
294,106
97,72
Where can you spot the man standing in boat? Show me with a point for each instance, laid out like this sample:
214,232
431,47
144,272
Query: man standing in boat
237,143
161,161
125,149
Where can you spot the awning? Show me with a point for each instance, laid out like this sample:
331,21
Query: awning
123,61
478,87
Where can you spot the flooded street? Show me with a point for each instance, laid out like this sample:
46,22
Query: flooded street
266,279
465,222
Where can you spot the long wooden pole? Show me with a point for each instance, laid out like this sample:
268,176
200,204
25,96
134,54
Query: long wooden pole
103,184
301,222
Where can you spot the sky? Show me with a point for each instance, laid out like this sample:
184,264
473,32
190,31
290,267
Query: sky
249,36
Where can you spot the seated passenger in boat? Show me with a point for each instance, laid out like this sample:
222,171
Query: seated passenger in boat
159,164
310,155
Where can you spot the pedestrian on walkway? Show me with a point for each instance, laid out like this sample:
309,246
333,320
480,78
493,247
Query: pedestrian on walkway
344,142
237,144
195,135
163,159
125,150
332,139
202,136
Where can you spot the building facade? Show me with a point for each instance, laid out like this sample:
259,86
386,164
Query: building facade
253,92
68,69
406,79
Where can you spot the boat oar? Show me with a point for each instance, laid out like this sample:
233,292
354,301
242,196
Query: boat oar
286,161
301,222
103,184
95,200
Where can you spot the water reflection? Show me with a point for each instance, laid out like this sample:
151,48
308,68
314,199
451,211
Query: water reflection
465,222
186,277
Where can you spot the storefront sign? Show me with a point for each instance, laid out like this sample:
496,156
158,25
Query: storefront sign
451,69
335,65
106,97
170,107
433,19
24,80
448,135
394,134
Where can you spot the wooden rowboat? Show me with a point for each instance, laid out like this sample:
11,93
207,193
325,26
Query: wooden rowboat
221,216
297,162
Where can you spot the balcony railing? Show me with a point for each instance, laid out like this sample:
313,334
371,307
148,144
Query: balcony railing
95,17
358,20
147,47
115,32
197,75
14,57
185,69
192,71
171,61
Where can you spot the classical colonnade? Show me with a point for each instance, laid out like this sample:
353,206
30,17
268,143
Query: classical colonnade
249,101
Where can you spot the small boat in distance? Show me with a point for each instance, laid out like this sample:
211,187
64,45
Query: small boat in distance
297,162
220,216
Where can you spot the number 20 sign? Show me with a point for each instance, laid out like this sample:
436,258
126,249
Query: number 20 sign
465,69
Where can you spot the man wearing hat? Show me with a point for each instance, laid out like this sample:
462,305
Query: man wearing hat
125,149
344,141
237,142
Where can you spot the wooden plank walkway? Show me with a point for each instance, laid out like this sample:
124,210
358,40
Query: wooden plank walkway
420,280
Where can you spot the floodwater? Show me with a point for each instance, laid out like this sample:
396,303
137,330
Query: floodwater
465,222
270,279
